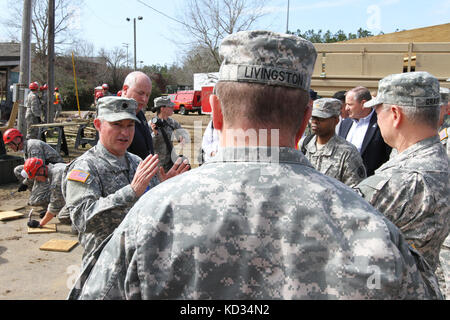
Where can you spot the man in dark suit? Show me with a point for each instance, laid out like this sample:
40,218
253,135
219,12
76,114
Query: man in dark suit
362,130
138,86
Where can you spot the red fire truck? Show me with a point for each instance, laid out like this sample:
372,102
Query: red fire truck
188,101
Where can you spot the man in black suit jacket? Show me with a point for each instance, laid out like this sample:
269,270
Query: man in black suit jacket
364,131
138,86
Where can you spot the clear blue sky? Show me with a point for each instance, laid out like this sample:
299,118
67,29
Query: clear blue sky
104,24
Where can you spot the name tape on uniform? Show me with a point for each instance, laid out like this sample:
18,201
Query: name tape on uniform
265,75
426,101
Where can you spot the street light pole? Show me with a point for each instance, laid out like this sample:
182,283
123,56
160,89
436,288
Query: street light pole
134,22
134,25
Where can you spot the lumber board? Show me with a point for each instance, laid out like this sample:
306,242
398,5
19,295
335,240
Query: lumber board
48,228
8,215
59,245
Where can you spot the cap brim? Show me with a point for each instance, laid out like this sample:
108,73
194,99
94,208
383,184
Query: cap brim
373,102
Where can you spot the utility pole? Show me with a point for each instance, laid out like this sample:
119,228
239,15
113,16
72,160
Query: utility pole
51,61
287,20
25,64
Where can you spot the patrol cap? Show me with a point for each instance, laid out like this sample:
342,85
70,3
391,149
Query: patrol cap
445,92
268,58
326,108
163,102
113,108
415,89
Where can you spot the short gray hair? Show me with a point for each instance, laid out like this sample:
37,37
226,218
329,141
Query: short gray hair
428,116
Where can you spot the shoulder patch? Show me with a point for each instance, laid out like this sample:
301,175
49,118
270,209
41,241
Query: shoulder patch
77,175
443,134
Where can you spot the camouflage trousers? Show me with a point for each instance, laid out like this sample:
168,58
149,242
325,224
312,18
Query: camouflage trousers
30,119
40,191
443,269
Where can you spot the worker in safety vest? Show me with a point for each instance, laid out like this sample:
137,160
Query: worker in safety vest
57,103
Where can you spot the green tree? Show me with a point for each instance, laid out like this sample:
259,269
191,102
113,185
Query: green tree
329,37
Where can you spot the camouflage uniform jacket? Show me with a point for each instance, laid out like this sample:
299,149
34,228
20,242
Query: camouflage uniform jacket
412,191
338,159
55,177
33,105
98,205
34,148
255,227
173,130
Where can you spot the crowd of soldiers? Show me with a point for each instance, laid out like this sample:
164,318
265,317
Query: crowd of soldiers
358,212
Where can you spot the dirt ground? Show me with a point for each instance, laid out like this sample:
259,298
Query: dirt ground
28,273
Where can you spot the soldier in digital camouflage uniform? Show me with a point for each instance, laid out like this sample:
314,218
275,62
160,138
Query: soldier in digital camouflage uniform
101,185
44,101
328,153
412,189
33,111
35,169
259,221
170,128
443,270
32,148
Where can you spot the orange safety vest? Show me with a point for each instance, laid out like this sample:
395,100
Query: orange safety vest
57,101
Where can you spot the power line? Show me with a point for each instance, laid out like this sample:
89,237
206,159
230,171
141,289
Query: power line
165,15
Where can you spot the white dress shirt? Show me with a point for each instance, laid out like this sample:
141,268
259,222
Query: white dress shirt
210,141
358,131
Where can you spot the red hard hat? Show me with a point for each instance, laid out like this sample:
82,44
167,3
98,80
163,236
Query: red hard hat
105,86
31,167
119,93
10,135
98,95
45,87
56,89
33,86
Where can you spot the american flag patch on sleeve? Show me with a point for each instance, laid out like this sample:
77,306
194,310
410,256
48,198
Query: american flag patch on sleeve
77,175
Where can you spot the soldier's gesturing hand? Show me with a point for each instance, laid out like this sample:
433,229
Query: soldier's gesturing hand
179,167
144,173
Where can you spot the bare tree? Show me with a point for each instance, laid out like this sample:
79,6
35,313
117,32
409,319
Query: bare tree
207,22
116,71
66,20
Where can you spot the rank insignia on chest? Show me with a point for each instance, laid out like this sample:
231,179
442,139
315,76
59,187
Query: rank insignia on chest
77,175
